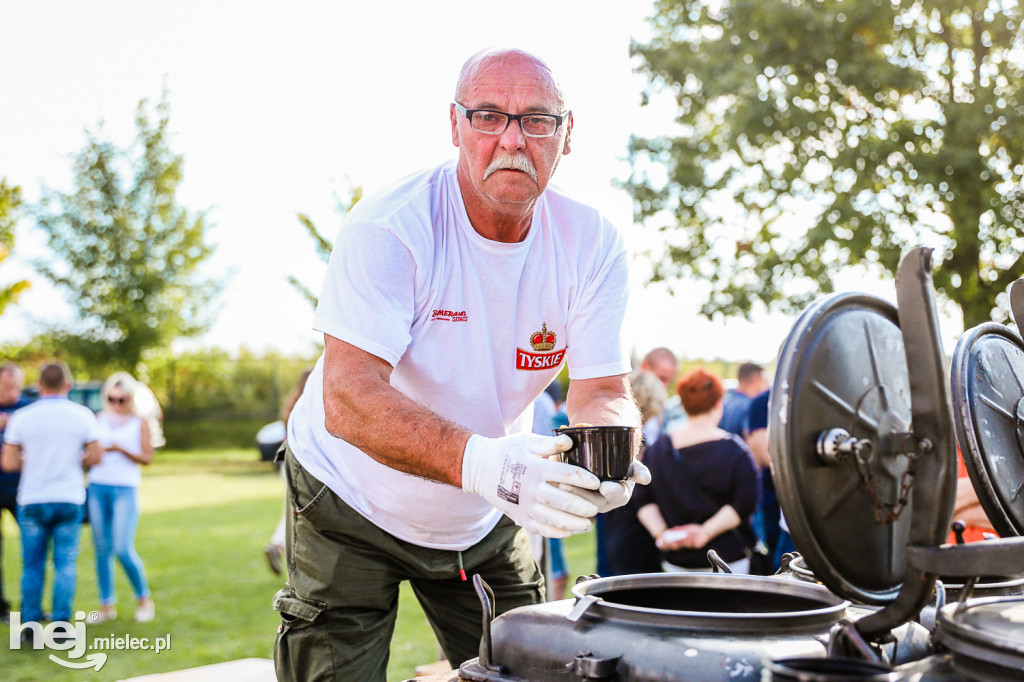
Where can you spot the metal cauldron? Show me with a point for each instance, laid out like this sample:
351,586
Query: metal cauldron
649,627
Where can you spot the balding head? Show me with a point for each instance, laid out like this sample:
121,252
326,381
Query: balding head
479,63
662,363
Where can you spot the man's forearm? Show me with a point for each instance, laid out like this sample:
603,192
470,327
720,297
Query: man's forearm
363,409
10,458
602,402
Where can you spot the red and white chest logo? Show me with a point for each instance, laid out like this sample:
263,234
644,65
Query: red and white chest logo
449,315
544,357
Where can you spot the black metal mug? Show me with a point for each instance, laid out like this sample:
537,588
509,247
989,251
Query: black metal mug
605,451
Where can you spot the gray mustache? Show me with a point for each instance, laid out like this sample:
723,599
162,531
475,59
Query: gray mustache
517,162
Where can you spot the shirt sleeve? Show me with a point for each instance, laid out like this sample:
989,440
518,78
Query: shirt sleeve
597,346
368,297
757,414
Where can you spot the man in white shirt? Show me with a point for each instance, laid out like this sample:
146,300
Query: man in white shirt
451,300
49,441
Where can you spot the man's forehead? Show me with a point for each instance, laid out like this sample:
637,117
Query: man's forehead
516,76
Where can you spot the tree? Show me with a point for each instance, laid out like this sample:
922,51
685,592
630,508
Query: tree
323,245
884,124
10,202
127,253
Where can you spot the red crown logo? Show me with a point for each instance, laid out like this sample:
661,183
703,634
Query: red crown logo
543,340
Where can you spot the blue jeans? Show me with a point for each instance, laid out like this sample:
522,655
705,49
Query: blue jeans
114,516
60,522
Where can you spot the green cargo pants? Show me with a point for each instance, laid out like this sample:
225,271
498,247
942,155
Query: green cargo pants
338,608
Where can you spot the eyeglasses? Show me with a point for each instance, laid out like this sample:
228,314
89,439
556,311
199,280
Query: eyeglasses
494,122
116,401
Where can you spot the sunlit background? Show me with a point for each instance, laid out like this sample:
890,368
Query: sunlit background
280,108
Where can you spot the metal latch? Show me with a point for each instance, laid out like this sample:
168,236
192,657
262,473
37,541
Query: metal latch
586,666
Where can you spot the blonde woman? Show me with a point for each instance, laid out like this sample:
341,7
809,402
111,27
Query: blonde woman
113,496
650,396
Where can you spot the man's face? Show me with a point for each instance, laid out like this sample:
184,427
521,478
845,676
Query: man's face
515,84
664,370
10,389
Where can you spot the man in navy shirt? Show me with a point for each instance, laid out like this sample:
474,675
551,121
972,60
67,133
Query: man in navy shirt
768,521
12,380
751,381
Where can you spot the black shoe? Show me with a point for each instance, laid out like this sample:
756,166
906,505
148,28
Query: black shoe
5,611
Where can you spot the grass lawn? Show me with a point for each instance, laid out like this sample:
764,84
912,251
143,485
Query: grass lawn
205,519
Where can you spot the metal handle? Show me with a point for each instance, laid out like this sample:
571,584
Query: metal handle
932,416
717,564
486,596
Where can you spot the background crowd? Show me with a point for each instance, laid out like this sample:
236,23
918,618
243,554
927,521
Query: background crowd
707,448
64,465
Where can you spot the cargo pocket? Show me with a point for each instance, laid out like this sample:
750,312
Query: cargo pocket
302,651
295,609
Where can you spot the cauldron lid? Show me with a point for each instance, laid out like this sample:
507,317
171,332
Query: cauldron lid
987,380
989,629
843,366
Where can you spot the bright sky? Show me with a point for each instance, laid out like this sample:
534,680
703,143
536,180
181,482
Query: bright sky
276,106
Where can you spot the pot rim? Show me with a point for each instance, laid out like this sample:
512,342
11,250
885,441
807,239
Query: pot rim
832,608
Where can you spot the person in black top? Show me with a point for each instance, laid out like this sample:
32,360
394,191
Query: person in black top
704,485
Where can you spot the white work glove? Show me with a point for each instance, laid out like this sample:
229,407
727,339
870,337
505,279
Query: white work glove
614,494
512,474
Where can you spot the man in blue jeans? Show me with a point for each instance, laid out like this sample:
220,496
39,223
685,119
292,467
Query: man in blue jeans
49,441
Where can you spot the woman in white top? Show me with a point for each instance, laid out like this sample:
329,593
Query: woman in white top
113,495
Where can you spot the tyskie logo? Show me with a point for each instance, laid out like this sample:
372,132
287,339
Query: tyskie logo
547,358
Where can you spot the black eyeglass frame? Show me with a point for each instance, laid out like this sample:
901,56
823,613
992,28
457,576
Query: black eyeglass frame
123,400
512,117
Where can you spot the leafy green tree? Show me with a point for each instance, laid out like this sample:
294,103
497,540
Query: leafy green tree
127,253
10,202
321,242
882,124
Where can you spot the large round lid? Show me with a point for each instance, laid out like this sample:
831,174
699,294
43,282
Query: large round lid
842,370
987,632
987,380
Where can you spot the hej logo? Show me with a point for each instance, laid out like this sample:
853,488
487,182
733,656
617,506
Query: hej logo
59,635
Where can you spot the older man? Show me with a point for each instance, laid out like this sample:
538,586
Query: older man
451,300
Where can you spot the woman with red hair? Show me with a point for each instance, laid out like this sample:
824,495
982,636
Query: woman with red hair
704,485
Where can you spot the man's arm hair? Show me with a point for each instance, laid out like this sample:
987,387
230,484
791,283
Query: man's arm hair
362,408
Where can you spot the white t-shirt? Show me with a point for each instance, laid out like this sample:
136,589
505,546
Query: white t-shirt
52,433
116,467
475,329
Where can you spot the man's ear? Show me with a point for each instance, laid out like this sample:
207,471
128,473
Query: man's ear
453,114
566,147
